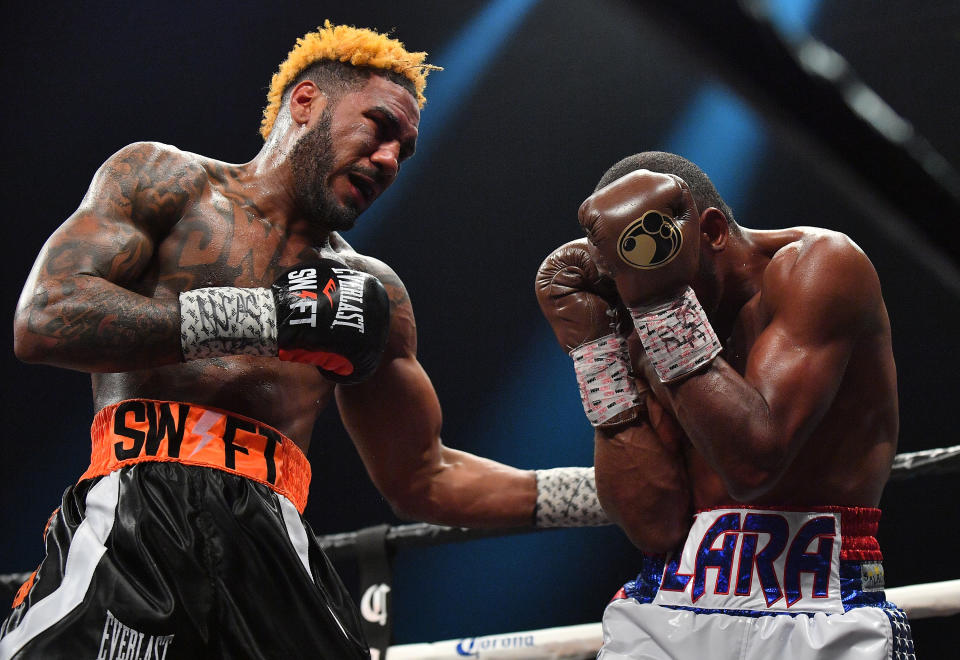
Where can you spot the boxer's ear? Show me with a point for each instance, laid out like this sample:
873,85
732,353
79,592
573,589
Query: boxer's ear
306,101
714,229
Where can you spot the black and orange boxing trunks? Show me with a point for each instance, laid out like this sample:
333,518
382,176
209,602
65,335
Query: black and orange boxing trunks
184,539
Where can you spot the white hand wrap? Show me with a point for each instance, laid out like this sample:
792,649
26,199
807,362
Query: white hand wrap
219,321
603,376
676,336
567,497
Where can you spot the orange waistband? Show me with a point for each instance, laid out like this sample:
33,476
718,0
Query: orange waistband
139,430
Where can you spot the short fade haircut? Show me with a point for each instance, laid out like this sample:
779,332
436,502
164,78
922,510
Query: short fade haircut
341,55
704,192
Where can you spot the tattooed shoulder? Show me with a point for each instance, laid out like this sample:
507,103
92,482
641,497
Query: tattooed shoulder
396,291
156,180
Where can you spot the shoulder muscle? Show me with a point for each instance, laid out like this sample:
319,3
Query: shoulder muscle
825,283
148,182
403,326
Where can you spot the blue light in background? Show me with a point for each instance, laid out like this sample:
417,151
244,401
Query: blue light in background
792,18
723,137
537,414
535,419
464,59
719,132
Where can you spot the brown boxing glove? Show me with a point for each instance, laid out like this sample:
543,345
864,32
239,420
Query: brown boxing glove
578,303
575,300
644,232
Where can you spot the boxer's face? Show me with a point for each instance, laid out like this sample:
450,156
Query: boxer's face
372,130
354,150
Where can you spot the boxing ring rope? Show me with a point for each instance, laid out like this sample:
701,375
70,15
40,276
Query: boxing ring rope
941,460
372,546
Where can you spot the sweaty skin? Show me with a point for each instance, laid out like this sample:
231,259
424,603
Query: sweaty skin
102,297
801,406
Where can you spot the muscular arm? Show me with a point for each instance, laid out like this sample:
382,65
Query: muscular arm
642,482
394,419
750,428
78,308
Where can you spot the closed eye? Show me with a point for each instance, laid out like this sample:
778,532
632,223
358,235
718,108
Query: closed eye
389,128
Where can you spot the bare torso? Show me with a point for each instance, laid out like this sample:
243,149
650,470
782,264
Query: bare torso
847,457
222,238
102,295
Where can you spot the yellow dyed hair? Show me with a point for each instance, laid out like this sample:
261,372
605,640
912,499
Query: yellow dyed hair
358,47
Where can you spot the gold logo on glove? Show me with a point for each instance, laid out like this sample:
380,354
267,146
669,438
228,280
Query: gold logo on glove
651,241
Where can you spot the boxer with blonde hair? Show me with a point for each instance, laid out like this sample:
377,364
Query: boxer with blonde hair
219,311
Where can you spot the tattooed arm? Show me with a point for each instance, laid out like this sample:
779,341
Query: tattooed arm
394,420
79,308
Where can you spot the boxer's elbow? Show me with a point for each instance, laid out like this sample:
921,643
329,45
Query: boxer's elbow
657,534
27,345
438,502
657,539
412,488
412,499
655,521
410,507
401,498
420,507
39,338
751,481
24,348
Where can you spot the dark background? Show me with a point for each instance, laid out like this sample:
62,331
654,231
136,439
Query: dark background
537,100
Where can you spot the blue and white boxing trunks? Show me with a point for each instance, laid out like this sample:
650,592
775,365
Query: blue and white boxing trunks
755,583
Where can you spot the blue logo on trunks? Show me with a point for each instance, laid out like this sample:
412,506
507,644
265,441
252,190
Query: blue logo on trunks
744,559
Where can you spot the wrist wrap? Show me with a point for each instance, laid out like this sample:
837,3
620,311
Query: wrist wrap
676,336
603,376
567,497
218,321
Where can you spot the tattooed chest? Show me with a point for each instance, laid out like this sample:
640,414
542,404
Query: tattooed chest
221,242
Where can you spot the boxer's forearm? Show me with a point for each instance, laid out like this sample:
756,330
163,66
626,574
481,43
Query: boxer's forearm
461,489
86,323
730,423
80,308
394,420
643,486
